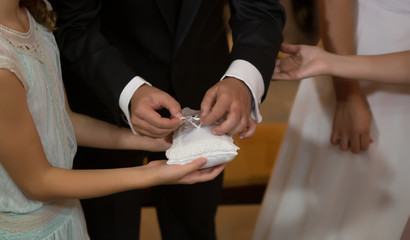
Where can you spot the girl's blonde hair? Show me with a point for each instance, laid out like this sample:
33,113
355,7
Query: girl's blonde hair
40,12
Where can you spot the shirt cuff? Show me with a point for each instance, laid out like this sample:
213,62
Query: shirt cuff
126,95
250,75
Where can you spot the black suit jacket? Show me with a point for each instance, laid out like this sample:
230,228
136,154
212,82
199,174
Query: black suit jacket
105,43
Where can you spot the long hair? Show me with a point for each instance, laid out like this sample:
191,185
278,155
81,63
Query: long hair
41,13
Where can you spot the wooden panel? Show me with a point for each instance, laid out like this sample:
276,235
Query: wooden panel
256,157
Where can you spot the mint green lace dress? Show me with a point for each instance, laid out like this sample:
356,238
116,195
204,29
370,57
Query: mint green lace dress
33,57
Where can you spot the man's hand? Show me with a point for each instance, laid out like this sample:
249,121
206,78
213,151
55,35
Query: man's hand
231,98
144,118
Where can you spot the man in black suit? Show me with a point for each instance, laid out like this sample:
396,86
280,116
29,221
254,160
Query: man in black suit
131,59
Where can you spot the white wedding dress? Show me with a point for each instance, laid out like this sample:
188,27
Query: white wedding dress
318,192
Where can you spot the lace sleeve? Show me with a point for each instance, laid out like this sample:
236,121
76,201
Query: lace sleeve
10,60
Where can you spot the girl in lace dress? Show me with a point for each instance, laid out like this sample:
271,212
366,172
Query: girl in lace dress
39,135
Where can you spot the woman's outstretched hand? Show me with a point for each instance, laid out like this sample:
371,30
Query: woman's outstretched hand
303,61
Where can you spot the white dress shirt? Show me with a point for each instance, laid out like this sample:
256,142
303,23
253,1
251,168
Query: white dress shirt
240,69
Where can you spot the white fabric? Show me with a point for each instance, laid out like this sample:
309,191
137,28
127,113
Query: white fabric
126,95
192,140
33,57
318,192
250,75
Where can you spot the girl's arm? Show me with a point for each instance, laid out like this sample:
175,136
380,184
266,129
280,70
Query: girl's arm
22,155
307,61
91,132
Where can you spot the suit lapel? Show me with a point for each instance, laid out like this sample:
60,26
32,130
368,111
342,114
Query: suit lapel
166,8
189,9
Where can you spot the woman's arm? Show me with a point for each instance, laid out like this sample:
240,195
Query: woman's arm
352,117
23,157
388,68
308,61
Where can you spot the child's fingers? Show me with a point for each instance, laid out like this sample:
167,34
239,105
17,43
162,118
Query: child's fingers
195,165
210,173
203,175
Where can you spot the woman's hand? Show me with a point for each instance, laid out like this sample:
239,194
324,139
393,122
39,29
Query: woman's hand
303,61
351,124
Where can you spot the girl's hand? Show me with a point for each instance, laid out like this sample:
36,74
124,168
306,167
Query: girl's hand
189,173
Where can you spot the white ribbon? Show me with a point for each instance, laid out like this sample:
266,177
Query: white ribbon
194,120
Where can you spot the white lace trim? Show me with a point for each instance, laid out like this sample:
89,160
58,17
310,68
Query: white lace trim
28,43
205,149
192,140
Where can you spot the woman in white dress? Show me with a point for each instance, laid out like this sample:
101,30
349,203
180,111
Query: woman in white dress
317,191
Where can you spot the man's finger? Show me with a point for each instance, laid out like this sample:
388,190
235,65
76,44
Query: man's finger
208,102
250,130
218,111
